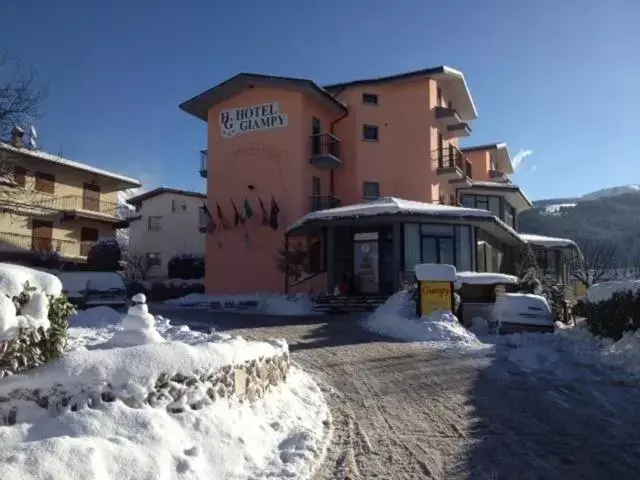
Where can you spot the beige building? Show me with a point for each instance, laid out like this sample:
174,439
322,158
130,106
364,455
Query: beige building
49,204
170,222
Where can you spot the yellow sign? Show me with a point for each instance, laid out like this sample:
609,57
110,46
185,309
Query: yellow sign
434,296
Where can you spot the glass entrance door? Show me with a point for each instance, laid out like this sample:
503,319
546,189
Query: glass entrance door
366,262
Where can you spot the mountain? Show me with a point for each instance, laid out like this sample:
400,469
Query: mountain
607,215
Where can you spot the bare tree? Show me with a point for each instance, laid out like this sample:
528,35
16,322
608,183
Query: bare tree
292,260
137,267
20,97
596,263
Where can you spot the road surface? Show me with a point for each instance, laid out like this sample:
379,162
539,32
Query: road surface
403,411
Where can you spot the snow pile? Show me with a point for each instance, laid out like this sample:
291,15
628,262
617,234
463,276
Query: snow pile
569,350
13,278
35,314
279,436
138,326
264,303
397,318
601,292
484,278
94,317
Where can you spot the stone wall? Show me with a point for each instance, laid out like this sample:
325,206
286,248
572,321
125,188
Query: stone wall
244,382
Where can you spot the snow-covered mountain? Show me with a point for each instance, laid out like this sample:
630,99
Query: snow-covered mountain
556,206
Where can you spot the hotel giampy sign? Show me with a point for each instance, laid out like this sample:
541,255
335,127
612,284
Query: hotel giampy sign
251,119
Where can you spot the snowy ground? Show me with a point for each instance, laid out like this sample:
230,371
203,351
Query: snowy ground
407,410
280,436
262,303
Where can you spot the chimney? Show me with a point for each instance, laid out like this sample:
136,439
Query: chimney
16,137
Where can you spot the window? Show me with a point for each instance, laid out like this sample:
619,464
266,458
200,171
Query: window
482,202
154,259
316,139
494,206
154,223
509,215
440,100
203,218
370,99
370,132
463,248
315,186
45,182
468,201
19,176
178,205
370,190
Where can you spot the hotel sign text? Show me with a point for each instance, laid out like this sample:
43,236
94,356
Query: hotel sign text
251,119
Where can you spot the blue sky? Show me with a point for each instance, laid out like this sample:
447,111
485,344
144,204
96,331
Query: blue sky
547,77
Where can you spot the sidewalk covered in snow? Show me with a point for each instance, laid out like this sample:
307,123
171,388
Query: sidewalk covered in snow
366,248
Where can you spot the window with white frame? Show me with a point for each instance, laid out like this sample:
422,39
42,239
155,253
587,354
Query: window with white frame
370,190
178,205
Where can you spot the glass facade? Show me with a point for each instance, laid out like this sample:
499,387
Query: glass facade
490,253
432,243
494,203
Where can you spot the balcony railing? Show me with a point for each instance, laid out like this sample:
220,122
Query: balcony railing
468,169
204,163
325,150
15,242
80,203
318,202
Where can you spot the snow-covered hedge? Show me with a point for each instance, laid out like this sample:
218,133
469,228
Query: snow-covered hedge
33,318
613,308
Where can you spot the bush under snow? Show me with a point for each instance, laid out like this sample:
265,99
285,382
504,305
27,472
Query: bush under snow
397,318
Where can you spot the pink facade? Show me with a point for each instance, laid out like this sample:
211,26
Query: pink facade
265,156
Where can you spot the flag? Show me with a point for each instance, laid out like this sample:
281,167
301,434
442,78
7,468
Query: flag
237,218
273,217
210,224
223,221
248,212
263,211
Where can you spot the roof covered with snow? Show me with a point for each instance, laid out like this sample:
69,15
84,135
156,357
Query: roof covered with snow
548,242
393,206
486,278
42,155
138,199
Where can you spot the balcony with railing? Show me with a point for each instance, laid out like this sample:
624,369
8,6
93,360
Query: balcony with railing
204,163
83,206
451,163
451,124
21,243
318,202
498,176
325,150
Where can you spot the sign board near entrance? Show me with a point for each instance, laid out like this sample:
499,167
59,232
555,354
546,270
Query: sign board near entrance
435,295
266,116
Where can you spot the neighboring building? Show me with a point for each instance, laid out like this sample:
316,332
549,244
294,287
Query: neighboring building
49,204
169,222
291,149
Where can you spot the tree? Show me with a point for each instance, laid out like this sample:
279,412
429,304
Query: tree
292,260
20,97
105,255
596,262
137,267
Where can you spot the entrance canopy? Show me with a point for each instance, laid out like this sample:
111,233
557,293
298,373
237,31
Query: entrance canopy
389,210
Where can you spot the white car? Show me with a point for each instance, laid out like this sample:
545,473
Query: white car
91,289
522,312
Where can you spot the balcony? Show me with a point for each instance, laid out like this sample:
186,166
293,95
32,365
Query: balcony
458,130
452,164
325,151
317,202
447,116
19,243
498,176
204,163
82,206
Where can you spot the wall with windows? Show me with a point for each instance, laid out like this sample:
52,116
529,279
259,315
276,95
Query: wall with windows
494,203
490,253
168,226
437,243
553,263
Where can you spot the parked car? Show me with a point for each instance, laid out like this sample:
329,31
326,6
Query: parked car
91,289
522,312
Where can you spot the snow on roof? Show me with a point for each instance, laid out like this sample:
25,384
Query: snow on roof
69,163
436,272
393,206
486,278
548,242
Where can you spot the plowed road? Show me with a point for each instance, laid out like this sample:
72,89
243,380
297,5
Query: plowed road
404,411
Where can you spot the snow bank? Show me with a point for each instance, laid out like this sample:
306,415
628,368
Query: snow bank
279,436
601,292
95,317
265,303
397,318
140,365
13,278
